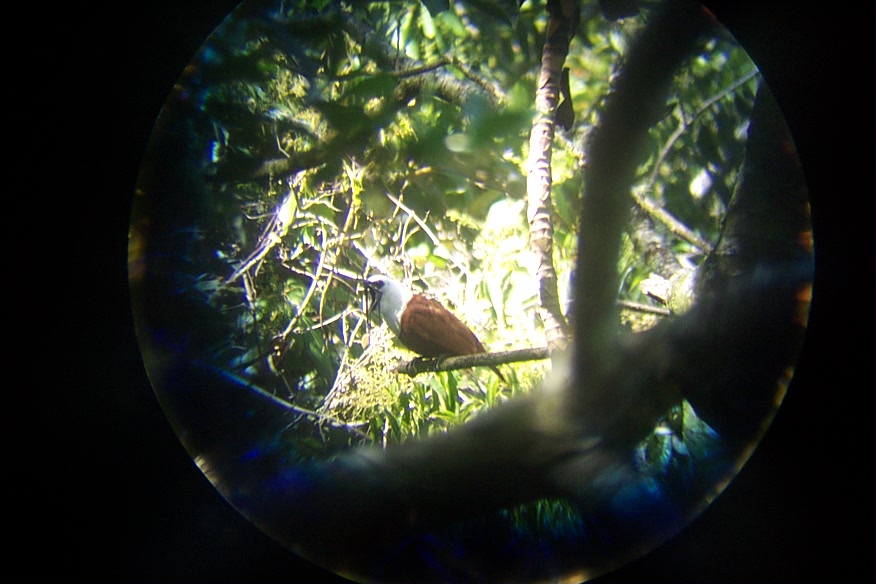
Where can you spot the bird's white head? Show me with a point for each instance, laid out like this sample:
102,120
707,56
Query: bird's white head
390,298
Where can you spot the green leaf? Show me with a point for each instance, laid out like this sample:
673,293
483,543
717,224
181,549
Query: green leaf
449,20
394,424
452,386
426,23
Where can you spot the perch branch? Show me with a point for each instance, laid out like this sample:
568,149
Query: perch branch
420,365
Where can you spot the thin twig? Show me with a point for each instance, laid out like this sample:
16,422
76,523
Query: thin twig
324,323
415,217
685,124
289,406
349,220
310,291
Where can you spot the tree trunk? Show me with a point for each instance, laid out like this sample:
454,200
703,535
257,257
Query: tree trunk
562,22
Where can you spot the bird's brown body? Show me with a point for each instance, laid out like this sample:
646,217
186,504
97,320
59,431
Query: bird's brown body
430,330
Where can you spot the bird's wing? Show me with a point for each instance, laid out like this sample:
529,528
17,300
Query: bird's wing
431,330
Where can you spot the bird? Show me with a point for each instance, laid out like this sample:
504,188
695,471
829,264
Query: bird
422,324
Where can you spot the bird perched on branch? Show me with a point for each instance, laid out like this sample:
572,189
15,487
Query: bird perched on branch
420,323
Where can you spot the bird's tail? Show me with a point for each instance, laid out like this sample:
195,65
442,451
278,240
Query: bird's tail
499,373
